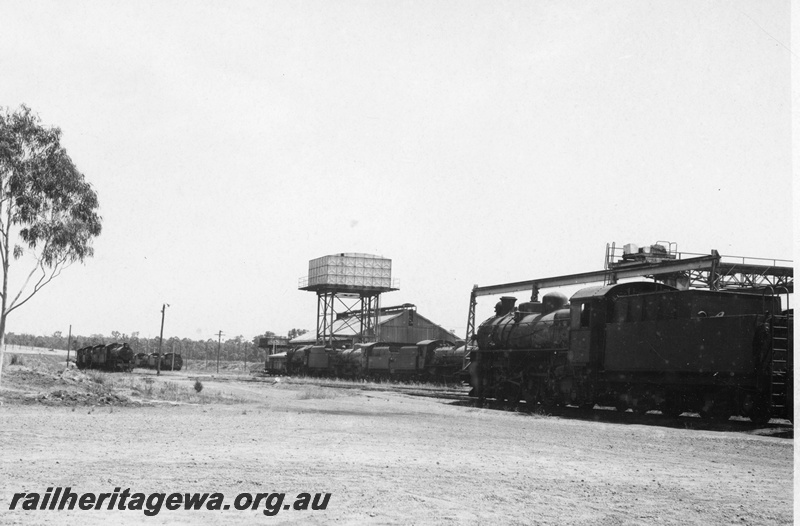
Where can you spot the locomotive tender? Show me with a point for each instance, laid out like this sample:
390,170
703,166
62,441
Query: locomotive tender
641,346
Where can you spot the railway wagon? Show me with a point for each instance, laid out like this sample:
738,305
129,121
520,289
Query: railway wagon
83,357
642,346
296,360
171,362
151,361
319,360
276,364
409,361
378,359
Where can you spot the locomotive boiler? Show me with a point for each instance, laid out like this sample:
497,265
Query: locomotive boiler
640,346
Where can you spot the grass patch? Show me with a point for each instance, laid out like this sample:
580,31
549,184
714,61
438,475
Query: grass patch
225,367
96,376
149,389
40,363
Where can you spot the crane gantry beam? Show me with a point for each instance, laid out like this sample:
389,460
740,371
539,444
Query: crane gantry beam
611,275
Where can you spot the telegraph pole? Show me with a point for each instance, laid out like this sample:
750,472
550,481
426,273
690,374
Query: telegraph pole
69,344
160,339
219,343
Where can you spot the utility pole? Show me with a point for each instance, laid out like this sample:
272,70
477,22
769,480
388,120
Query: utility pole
219,343
69,344
160,339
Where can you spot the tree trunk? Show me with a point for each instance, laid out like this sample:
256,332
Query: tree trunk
4,299
2,345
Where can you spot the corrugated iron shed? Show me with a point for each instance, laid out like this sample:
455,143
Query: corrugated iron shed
406,326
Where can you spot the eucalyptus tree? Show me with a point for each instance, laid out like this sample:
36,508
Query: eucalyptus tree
48,212
294,333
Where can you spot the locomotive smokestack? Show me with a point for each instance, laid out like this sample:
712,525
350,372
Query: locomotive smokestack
506,305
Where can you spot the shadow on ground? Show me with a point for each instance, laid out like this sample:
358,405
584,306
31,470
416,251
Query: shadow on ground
776,427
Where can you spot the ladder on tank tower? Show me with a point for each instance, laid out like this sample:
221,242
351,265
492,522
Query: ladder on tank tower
611,251
780,373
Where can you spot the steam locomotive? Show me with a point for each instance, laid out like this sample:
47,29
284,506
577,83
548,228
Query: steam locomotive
428,360
640,346
111,357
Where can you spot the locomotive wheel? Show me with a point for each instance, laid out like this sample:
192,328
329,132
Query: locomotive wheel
671,412
625,401
529,394
585,407
623,398
716,414
761,417
672,406
530,398
759,412
717,410
551,406
641,401
510,392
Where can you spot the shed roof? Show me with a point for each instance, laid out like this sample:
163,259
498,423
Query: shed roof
346,328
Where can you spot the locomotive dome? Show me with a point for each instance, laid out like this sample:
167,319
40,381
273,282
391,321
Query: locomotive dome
553,301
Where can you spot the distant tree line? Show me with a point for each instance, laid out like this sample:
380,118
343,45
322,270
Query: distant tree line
230,349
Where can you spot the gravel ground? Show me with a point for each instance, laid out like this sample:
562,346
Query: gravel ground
385,457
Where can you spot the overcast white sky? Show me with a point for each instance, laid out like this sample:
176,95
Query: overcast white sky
472,143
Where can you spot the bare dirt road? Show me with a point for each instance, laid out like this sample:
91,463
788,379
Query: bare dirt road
384,457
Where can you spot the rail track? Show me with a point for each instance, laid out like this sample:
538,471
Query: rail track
458,395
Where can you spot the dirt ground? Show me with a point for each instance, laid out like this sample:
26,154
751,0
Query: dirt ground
385,457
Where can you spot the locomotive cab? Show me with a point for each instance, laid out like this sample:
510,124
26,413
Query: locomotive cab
586,335
590,310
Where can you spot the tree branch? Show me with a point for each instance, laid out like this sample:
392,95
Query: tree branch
57,268
25,285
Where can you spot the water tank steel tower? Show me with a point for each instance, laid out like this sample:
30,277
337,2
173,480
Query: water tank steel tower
348,286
